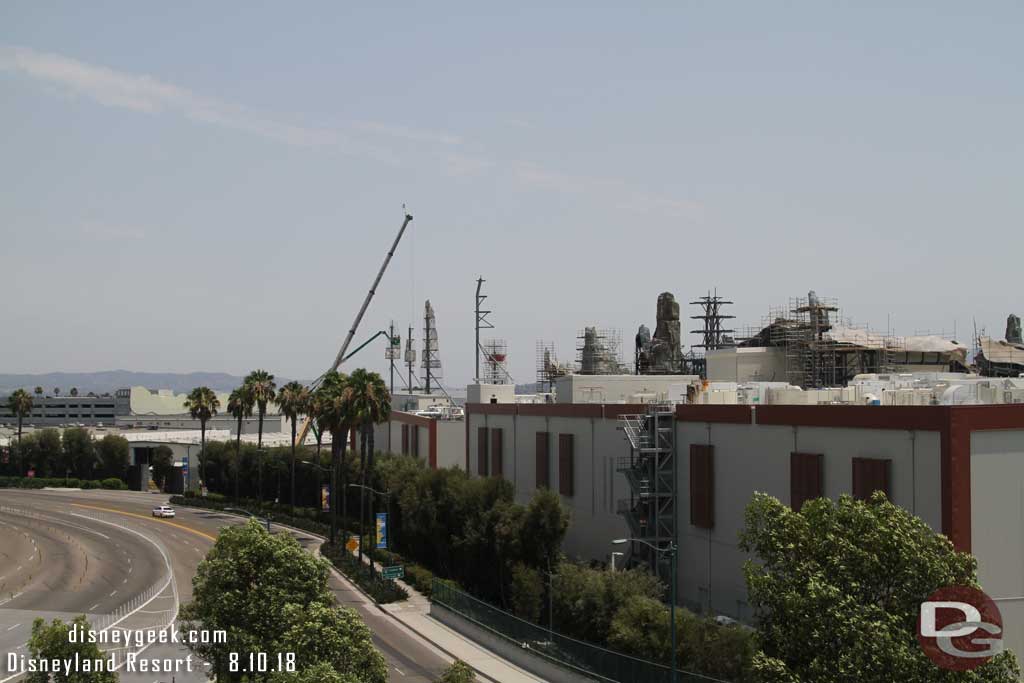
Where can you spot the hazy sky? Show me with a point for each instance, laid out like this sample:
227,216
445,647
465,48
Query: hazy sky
212,186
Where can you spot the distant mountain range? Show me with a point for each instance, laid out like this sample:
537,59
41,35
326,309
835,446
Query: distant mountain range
109,380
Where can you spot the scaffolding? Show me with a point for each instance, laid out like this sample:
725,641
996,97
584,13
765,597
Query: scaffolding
495,355
431,362
548,368
651,471
819,347
599,351
714,335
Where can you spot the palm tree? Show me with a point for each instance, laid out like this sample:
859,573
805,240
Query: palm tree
202,404
240,407
371,405
293,400
261,387
334,404
39,391
74,391
20,405
56,391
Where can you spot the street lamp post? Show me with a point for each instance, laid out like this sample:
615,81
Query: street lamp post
673,553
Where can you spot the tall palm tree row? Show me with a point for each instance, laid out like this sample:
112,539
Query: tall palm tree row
293,400
240,406
371,405
262,388
20,405
202,404
334,405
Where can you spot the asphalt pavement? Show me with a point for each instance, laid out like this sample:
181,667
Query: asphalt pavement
102,554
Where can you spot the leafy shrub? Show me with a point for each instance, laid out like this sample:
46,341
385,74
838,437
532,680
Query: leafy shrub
419,578
458,672
526,592
113,483
382,591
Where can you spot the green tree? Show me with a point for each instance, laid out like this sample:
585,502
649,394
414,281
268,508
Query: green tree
114,455
202,404
544,526
240,404
293,400
837,589
458,672
370,405
163,463
48,456
269,595
20,405
323,633
79,453
52,642
334,399
261,387
74,391
38,391
526,593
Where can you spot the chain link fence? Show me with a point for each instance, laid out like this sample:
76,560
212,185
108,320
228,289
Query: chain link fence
587,659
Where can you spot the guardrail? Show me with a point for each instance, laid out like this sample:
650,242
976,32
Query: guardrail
134,606
584,658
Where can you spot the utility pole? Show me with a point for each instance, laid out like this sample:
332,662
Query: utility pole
410,358
392,354
482,323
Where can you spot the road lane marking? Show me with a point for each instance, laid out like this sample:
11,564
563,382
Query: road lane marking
94,606
14,627
113,594
151,519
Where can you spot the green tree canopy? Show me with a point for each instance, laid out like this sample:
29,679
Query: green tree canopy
458,672
114,455
52,642
79,453
263,390
20,405
837,589
270,595
163,463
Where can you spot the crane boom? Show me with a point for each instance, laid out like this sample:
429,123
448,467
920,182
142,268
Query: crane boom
373,290
300,438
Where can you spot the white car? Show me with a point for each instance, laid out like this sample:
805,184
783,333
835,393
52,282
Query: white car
163,511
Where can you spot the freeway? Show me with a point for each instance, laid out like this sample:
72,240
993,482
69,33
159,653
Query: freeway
100,553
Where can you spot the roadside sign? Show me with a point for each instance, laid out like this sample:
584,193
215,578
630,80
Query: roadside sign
352,544
325,497
382,530
394,572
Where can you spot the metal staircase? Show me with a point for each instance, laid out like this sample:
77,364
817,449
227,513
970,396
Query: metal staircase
650,469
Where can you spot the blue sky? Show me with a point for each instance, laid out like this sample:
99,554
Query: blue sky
211,186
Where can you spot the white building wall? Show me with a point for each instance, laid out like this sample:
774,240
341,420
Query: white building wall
997,516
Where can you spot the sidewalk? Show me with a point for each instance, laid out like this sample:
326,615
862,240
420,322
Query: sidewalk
413,614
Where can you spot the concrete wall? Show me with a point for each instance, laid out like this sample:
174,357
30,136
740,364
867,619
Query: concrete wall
621,388
451,444
747,458
997,502
756,364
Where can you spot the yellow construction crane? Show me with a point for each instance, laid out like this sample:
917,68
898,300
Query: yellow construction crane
300,438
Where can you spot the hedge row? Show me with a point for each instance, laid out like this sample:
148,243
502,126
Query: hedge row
382,591
112,483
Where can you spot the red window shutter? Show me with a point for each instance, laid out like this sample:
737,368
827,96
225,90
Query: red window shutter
481,451
496,452
805,471
870,475
565,464
702,500
405,439
543,460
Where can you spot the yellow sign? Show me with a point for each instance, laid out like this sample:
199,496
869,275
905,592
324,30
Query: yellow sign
352,544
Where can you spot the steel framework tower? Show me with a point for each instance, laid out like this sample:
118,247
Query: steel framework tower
482,323
651,469
431,354
712,316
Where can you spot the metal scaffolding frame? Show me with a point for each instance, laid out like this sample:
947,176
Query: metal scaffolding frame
651,470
